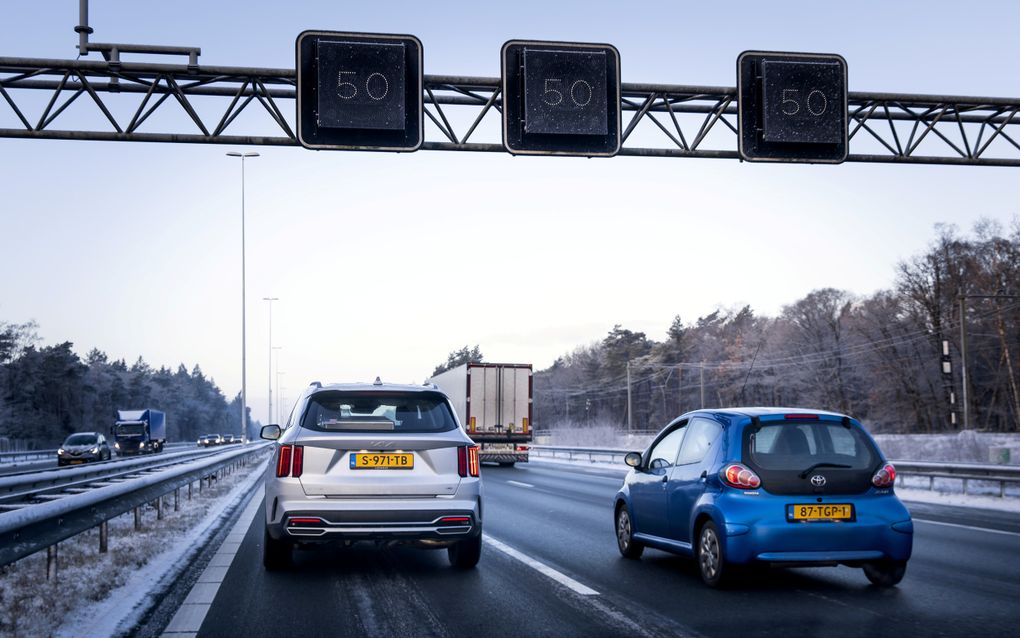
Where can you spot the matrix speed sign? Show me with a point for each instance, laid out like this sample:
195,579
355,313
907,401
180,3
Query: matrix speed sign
561,98
359,91
792,107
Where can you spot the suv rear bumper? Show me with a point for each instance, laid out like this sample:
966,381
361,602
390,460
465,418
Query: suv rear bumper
314,525
389,518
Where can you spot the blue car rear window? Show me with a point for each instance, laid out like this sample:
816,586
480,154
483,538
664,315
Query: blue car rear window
796,446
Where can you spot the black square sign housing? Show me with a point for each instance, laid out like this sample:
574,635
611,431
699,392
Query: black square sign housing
359,91
561,98
792,107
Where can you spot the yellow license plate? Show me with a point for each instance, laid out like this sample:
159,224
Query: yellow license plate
76,461
820,512
382,461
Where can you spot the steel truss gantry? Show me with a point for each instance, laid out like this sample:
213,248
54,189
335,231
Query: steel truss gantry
463,112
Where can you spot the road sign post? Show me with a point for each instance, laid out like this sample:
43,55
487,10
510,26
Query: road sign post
792,107
359,91
561,98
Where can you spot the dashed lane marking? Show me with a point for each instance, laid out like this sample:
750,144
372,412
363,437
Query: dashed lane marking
971,527
520,484
541,567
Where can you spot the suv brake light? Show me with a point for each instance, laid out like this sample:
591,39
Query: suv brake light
885,477
283,460
467,460
740,476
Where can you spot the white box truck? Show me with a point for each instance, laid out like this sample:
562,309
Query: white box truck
493,402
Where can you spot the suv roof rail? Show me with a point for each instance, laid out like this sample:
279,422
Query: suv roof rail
317,384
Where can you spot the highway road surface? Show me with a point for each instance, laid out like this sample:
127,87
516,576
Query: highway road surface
550,567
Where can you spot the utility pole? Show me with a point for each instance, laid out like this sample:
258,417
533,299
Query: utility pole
964,369
702,368
680,388
630,411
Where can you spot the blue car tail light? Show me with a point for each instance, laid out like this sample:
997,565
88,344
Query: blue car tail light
740,476
885,477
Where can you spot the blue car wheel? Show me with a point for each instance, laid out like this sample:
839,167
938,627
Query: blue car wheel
885,573
629,547
711,556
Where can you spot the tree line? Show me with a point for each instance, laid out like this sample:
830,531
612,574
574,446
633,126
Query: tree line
49,392
879,357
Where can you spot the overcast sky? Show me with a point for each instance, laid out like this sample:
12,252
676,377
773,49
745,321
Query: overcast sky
385,263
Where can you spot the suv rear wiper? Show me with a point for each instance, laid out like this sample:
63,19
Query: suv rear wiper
818,465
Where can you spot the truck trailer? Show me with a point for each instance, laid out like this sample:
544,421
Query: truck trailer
139,432
493,402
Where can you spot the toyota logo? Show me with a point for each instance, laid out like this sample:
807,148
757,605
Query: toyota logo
818,480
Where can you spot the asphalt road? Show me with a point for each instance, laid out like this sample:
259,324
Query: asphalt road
960,582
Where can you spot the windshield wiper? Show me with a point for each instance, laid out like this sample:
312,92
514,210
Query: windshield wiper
818,465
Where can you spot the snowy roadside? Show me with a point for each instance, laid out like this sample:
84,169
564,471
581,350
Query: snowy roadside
909,494
106,594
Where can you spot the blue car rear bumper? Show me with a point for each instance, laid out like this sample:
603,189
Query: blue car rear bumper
757,529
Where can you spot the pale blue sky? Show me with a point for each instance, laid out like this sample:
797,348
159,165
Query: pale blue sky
134,248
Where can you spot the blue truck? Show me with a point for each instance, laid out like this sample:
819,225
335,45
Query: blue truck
139,432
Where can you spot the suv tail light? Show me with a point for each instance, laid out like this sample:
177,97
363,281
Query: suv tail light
283,460
885,477
740,476
467,460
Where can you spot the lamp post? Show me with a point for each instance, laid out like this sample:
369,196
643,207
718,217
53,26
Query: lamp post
244,379
277,348
269,410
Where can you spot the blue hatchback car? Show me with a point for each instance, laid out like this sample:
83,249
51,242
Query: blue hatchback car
776,486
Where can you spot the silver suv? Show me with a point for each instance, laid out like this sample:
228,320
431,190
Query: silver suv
377,462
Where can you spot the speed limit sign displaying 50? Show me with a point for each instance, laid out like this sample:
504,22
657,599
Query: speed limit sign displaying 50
792,107
561,98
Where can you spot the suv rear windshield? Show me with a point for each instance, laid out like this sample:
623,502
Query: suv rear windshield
336,411
81,439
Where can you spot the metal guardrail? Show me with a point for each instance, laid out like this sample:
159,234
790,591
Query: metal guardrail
40,526
42,455
19,485
965,472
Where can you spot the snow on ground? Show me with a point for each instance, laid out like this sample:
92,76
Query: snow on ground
967,446
981,494
97,594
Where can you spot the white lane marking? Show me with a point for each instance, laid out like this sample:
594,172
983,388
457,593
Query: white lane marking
189,617
540,567
519,484
971,527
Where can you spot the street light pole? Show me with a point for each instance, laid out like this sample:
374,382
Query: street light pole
269,410
278,398
244,378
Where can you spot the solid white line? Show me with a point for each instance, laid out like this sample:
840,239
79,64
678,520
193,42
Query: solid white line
519,484
971,527
190,615
540,567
